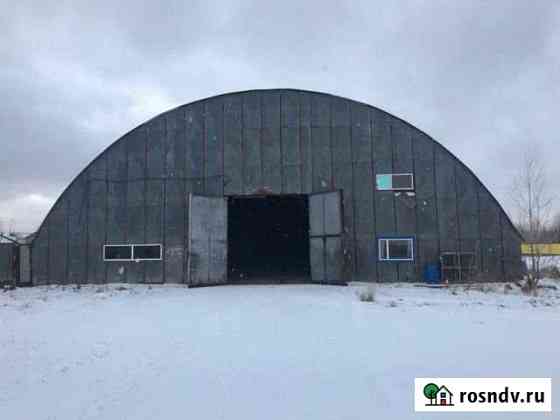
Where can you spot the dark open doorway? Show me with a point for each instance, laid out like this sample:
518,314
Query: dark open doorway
268,239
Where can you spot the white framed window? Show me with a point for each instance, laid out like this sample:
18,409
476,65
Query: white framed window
395,182
133,252
396,249
117,252
146,252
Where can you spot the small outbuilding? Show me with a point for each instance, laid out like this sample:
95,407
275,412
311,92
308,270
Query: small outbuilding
274,185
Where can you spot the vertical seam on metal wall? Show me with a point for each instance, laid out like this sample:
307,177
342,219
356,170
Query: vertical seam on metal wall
261,128
436,198
164,201
325,273
281,141
480,249
354,242
311,144
106,213
223,151
48,255
31,263
458,234
127,209
502,256
67,228
331,181
146,137
204,151
393,201
300,147
88,194
184,203
374,191
415,244
242,158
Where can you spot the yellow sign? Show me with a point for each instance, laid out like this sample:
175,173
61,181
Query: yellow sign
540,249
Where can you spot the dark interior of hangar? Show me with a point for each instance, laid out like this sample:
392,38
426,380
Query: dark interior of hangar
268,239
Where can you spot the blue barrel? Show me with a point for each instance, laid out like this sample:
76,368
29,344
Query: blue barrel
432,273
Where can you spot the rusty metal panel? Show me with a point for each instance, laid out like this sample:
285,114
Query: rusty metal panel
207,259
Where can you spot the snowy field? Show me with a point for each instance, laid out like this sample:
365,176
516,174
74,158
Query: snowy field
263,352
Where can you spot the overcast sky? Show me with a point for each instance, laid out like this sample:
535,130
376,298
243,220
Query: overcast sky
481,77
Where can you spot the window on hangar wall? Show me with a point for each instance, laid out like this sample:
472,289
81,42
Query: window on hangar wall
395,182
396,249
139,252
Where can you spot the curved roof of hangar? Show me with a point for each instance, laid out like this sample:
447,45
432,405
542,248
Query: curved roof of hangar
278,90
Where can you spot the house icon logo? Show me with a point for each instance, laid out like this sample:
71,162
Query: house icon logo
438,395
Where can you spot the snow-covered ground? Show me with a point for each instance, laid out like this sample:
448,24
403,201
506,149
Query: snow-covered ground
263,352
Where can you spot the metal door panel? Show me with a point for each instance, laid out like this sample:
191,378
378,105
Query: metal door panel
325,237
207,253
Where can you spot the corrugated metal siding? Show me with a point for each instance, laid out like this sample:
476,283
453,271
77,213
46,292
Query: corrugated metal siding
7,272
282,141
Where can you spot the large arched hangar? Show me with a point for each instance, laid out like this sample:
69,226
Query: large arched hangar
274,185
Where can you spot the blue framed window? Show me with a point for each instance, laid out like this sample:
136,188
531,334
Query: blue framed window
396,249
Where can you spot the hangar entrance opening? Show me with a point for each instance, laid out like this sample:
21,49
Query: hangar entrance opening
268,239
265,239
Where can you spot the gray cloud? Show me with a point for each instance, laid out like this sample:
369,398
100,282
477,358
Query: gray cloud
483,78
